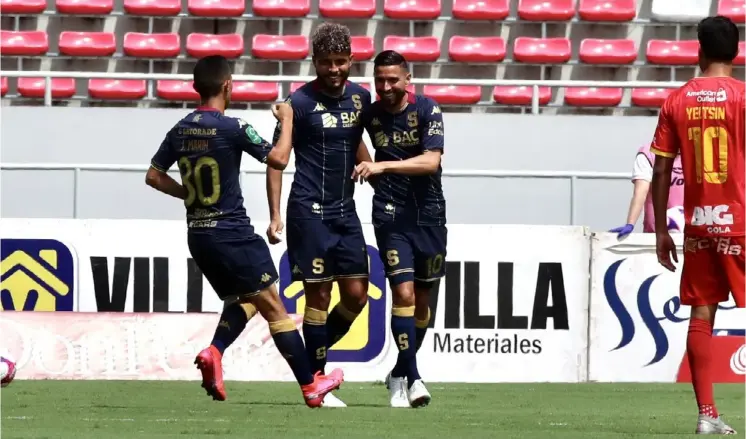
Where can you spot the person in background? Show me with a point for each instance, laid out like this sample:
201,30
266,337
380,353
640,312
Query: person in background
642,200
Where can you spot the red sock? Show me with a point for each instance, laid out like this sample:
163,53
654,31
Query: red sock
698,348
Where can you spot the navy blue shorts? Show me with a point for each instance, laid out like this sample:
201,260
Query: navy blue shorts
412,253
324,250
236,262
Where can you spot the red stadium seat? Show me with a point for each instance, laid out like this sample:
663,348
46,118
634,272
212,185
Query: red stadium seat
347,8
219,8
733,9
594,51
158,8
120,89
542,50
607,10
86,7
363,48
62,88
3,86
673,52
410,89
23,43
480,9
650,97
201,45
741,57
87,43
281,8
280,47
476,49
23,6
254,92
412,9
152,45
522,95
176,90
414,49
593,97
546,10
454,94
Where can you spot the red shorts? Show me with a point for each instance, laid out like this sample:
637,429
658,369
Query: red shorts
713,268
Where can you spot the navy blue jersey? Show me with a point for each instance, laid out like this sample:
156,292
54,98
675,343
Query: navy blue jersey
207,146
326,134
418,128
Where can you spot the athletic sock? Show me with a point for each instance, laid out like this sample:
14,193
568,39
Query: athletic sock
338,324
698,346
314,333
290,344
421,329
403,328
231,325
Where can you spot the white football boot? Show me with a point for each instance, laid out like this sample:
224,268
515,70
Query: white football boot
397,392
709,425
331,401
418,395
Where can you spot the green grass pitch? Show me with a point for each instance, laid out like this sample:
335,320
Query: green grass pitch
149,409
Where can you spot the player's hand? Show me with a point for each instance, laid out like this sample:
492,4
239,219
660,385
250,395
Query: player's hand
274,231
365,170
666,250
282,112
623,231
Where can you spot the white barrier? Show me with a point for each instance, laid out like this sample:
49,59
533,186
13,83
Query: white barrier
516,306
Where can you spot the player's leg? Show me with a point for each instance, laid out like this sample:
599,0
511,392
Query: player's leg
422,292
703,287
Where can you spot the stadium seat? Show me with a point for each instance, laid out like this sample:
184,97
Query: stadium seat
86,7
347,8
542,50
87,43
476,49
23,6
281,8
607,10
152,45
216,8
157,8
741,57
363,48
412,9
62,88
23,43
201,45
254,92
593,97
280,47
594,51
176,90
480,9
680,11
454,94
521,95
414,49
650,97
546,10
733,9
672,52
3,86
119,89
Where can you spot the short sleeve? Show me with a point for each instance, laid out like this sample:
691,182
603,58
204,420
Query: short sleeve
250,142
665,141
643,169
432,118
165,157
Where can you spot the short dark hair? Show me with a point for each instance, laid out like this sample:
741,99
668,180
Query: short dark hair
331,39
718,38
209,75
390,58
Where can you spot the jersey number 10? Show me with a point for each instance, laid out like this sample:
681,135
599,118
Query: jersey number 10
191,178
704,153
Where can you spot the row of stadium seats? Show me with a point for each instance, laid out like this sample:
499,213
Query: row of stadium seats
133,89
529,10
296,47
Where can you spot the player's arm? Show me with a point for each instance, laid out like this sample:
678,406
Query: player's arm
283,133
665,147
251,142
641,177
363,155
157,176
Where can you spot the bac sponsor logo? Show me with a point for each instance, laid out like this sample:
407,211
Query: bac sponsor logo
653,320
367,336
36,275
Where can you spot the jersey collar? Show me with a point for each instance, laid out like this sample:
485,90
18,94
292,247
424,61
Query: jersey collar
210,109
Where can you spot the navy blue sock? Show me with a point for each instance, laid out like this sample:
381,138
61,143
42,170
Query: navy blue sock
290,344
314,332
338,324
421,329
231,325
403,328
